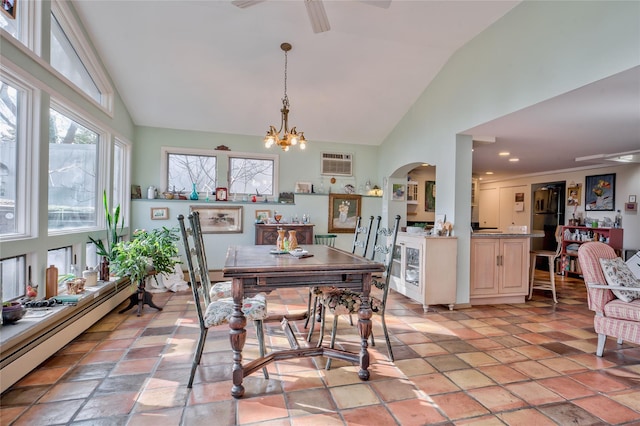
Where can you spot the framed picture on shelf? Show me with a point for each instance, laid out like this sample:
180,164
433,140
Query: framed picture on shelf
430,196
263,215
221,194
600,192
136,192
159,213
399,191
303,187
219,220
9,8
344,210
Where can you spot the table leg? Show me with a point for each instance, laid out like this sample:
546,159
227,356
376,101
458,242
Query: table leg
364,327
237,335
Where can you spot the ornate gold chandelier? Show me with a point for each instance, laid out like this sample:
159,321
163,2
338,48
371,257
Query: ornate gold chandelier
289,137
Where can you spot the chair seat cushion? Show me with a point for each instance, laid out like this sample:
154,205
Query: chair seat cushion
618,309
617,273
219,311
343,302
220,290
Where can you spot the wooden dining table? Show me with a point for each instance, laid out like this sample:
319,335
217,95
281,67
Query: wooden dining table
255,269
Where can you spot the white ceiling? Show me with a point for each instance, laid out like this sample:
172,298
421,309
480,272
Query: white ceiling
211,66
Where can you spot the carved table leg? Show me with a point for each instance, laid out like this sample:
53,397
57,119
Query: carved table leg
237,336
364,327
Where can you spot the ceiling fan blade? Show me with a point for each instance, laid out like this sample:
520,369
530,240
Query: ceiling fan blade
379,3
317,15
245,3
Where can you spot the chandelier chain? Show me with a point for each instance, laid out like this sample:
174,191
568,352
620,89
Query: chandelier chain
285,100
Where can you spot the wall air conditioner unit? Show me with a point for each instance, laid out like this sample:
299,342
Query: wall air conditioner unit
337,164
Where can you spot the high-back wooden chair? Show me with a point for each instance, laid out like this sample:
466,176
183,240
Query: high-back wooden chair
344,301
213,313
361,236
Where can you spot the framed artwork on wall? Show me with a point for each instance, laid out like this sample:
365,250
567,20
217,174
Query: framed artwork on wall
159,213
219,220
9,8
344,210
574,195
600,192
263,215
399,191
430,196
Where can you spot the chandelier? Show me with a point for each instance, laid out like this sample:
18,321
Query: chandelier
289,137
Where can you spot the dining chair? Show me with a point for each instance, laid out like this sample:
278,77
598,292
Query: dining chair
551,257
327,240
216,312
361,236
345,301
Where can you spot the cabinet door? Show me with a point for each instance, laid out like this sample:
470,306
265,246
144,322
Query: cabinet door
514,266
484,266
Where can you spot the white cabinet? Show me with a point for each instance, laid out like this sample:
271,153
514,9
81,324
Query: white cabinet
424,269
412,192
499,270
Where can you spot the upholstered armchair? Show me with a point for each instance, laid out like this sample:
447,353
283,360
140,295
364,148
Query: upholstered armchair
617,307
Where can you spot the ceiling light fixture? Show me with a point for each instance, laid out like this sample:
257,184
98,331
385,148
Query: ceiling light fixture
289,137
513,160
503,153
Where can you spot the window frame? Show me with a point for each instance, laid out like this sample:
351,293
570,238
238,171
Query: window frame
66,18
253,156
27,154
103,170
174,150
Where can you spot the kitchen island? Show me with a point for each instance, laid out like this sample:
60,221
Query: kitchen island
500,266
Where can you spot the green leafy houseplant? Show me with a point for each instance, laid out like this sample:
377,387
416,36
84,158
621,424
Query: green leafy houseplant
146,252
115,225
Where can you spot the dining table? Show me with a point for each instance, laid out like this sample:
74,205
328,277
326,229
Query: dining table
262,268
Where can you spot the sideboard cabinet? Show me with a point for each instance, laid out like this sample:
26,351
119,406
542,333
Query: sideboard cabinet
424,269
267,233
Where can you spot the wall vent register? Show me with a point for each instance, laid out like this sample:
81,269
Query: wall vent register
337,164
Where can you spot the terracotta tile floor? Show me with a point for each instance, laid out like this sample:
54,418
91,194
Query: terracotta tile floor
524,364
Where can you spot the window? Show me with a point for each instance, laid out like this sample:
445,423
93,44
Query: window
72,56
73,173
91,258
248,175
23,22
120,176
16,163
63,259
13,278
186,169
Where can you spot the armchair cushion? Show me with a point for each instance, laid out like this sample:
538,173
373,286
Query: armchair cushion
617,273
628,311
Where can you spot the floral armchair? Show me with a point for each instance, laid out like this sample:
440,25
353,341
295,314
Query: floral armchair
617,306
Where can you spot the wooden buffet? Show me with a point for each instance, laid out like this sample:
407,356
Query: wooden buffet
267,233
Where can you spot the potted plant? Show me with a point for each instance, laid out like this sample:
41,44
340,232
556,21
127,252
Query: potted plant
115,225
148,252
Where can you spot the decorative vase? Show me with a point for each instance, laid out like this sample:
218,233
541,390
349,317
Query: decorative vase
293,241
104,269
280,240
194,193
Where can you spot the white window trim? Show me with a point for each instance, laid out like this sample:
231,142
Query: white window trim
29,121
125,209
164,160
68,22
104,164
272,157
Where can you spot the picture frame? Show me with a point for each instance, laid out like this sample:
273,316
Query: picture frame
430,196
9,8
600,192
136,192
221,194
632,198
631,207
399,192
574,195
159,213
344,210
263,215
303,187
219,220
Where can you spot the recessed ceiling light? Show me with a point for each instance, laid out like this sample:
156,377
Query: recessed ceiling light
425,164
489,173
514,159
503,153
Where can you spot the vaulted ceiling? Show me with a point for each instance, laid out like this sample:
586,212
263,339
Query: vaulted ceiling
213,66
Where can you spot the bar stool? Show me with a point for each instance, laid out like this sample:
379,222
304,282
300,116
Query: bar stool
551,256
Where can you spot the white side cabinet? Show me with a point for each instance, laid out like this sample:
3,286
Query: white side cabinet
424,269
